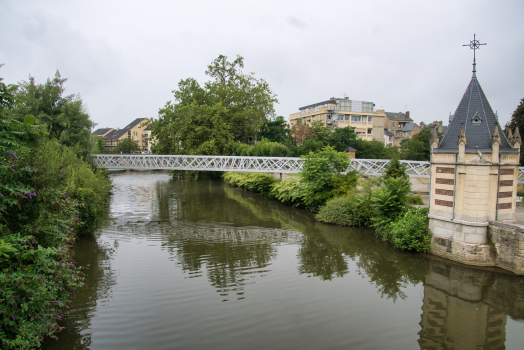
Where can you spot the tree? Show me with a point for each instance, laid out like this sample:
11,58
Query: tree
418,148
517,121
127,146
66,117
300,132
231,107
276,130
341,138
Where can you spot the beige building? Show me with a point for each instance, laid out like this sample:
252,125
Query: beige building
474,174
343,112
136,131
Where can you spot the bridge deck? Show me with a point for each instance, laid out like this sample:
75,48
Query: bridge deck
285,165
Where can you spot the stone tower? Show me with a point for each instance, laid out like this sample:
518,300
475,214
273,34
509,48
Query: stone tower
474,172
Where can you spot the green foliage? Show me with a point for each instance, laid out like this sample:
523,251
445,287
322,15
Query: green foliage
414,199
276,130
264,148
255,182
341,138
373,149
395,169
127,146
98,144
66,117
231,107
47,194
418,147
517,121
389,201
322,175
289,190
410,231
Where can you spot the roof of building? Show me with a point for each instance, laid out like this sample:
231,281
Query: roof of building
388,133
350,149
102,131
398,116
330,101
116,134
444,129
407,127
479,122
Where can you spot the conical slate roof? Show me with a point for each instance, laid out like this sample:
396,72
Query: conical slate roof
479,123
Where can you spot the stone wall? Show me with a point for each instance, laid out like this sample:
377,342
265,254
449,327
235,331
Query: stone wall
508,241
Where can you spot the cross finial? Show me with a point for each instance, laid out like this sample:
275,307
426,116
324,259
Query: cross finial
474,45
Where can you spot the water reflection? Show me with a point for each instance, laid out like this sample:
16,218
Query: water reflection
172,240
465,308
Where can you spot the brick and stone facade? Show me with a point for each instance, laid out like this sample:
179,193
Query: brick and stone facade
474,182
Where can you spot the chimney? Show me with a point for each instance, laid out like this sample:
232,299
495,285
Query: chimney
407,114
346,98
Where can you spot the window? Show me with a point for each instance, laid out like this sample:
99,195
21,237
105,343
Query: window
369,119
393,123
355,118
361,133
309,120
369,131
364,119
346,117
476,118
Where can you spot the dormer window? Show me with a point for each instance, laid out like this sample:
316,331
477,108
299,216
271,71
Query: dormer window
476,118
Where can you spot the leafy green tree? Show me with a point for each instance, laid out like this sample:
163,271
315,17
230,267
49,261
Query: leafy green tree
517,121
373,149
230,107
341,138
324,178
66,117
127,146
276,130
418,147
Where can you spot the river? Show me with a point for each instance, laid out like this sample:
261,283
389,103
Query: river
188,264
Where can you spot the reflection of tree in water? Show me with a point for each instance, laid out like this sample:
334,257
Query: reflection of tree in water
325,248
229,264
321,259
99,280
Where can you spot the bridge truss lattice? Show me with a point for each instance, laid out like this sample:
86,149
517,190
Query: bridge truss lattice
285,165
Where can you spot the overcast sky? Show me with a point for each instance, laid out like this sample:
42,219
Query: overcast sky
125,57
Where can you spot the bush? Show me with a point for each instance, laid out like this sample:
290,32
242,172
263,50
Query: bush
410,231
289,190
390,200
414,199
255,182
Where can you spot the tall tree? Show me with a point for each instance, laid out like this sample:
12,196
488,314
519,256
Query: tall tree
517,121
230,107
276,130
66,117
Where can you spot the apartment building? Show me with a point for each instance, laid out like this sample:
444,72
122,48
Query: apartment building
136,131
343,112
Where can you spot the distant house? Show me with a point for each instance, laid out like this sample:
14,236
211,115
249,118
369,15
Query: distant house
388,137
102,132
351,152
398,120
406,132
136,131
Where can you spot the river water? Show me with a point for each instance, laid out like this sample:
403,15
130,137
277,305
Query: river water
200,265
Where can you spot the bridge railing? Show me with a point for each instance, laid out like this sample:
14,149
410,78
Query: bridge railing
286,165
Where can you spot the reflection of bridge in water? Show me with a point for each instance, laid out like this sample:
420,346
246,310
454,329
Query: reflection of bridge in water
285,165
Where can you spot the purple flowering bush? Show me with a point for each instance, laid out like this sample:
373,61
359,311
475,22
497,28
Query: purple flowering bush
46,192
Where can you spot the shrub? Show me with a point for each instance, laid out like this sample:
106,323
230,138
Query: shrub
396,169
339,211
390,200
256,182
289,190
410,231
414,199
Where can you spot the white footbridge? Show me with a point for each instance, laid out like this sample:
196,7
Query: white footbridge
284,165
